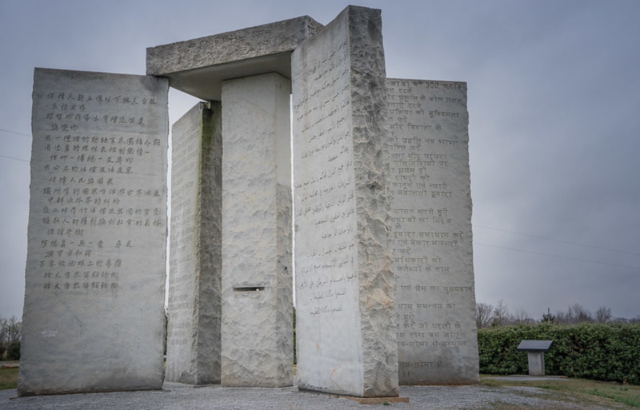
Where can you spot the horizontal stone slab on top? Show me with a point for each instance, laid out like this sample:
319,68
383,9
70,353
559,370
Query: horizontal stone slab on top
199,66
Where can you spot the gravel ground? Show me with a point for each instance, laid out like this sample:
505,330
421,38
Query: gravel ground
181,396
519,378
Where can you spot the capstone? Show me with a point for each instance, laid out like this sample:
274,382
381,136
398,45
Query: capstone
199,66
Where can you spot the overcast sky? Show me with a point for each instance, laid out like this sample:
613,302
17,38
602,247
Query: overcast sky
554,105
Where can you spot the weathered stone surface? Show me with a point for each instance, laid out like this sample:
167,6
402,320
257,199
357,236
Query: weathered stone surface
95,275
430,194
193,339
199,66
344,284
257,305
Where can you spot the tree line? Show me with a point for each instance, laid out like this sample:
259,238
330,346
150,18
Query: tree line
10,337
494,316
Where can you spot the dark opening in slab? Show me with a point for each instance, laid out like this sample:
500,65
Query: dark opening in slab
248,288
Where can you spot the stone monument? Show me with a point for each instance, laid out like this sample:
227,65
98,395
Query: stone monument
382,214
193,331
344,283
93,313
428,151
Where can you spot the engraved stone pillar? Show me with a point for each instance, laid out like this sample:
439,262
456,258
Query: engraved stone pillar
431,242
95,275
257,333
193,338
346,337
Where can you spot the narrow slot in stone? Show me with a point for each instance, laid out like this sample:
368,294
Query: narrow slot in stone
248,289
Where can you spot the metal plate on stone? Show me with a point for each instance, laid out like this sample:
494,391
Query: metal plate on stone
535,345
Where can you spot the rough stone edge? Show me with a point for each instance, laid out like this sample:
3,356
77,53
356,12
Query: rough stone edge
188,376
284,289
171,58
284,217
376,292
474,328
208,345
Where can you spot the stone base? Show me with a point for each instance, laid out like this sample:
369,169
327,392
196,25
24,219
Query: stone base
536,363
377,400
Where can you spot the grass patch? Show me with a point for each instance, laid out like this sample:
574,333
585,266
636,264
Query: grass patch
624,394
8,379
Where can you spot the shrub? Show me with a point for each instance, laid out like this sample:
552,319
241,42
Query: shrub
606,352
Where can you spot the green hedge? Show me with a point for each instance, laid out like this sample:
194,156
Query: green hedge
588,350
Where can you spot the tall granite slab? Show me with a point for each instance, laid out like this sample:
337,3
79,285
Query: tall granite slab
346,341
257,301
199,66
428,151
95,274
193,338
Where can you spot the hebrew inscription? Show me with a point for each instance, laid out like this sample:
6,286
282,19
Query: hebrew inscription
431,231
97,233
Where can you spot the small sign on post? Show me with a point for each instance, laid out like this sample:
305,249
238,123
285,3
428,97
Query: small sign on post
536,350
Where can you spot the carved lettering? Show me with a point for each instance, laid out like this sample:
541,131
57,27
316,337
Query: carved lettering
431,230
